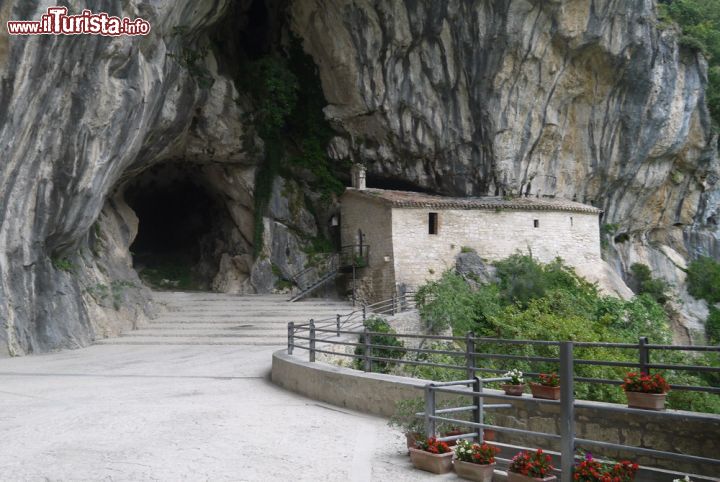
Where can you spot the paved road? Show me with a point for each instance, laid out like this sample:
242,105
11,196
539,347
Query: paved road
201,410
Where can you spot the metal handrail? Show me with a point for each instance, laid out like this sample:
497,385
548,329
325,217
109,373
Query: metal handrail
567,436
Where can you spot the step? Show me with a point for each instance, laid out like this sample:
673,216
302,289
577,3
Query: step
191,341
194,325
202,334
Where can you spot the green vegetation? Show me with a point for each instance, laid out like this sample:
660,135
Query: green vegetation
712,326
115,291
644,283
288,97
63,264
700,24
466,249
539,301
378,325
191,58
703,278
171,272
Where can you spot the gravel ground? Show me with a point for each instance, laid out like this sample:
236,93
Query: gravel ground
180,413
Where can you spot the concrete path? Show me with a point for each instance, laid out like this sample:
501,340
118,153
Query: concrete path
149,408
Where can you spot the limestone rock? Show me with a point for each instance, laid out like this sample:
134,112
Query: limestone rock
472,267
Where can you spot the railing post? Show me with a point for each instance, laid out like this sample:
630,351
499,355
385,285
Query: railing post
478,412
312,340
291,337
429,410
366,351
364,311
337,325
644,355
394,301
469,357
567,411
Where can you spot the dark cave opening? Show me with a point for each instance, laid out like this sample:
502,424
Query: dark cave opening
178,220
394,183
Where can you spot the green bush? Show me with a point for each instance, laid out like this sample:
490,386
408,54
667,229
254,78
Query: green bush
712,326
386,337
539,301
644,283
703,278
438,374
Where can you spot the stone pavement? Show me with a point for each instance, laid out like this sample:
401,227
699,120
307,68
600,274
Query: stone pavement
200,410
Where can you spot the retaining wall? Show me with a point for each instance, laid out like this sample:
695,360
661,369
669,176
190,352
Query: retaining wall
692,433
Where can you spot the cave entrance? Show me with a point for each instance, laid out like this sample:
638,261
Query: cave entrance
179,221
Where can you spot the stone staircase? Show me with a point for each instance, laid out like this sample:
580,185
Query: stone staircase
221,319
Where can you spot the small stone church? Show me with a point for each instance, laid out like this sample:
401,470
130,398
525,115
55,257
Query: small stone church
408,238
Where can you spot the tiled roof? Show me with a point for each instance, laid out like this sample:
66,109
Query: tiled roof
409,199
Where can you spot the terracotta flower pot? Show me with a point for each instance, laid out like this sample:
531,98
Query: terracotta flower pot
514,390
515,477
470,471
488,434
647,401
543,391
435,463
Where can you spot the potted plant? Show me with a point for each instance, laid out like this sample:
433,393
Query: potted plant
548,388
530,466
516,386
454,430
432,456
590,470
405,420
645,391
488,433
474,461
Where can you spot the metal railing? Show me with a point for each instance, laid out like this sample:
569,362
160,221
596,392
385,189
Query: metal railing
327,262
349,330
567,436
355,255
476,348
326,330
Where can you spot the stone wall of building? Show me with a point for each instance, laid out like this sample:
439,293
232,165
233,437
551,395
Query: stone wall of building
376,281
493,234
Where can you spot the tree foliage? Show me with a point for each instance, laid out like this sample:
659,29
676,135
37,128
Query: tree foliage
703,278
536,301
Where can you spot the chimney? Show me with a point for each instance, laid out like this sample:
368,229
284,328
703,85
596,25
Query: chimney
357,173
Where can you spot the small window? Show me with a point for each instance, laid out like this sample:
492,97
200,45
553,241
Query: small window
571,221
433,223
536,223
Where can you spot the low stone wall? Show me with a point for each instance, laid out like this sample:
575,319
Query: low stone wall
691,432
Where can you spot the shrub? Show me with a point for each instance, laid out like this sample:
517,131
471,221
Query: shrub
446,302
712,326
385,337
570,309
404,418
703,278
644,283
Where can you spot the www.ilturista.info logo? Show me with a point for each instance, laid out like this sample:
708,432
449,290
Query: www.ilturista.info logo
57,22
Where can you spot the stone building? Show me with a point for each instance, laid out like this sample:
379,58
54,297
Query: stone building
412,237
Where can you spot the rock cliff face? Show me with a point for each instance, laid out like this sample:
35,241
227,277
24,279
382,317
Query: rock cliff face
586,100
